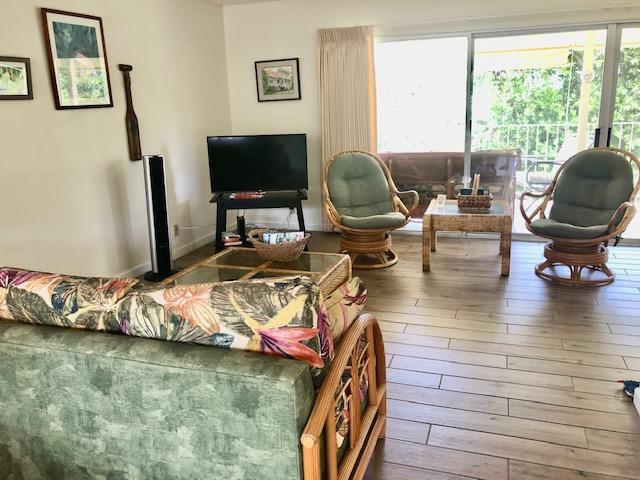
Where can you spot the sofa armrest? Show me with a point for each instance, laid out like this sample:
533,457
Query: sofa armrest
367,426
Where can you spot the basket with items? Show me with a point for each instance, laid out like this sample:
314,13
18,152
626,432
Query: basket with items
475,198
278,245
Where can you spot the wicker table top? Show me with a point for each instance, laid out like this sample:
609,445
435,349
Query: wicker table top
328,270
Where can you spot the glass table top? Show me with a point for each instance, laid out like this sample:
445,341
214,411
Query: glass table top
451,208
307,263
210,275
237,263
238,257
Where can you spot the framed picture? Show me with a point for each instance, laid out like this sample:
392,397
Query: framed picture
278,80
77,60
15,78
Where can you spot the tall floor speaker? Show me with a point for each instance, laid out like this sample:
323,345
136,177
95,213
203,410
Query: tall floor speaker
158,216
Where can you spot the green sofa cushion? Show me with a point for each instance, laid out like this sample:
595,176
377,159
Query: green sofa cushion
358,186
591,188
86,405
386,220
552,229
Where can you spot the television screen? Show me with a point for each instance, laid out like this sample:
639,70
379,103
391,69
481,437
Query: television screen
258,163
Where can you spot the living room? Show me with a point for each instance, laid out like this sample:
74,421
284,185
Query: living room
504,326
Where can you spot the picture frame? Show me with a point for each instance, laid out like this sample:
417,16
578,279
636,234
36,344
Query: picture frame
77,55
278,80
15,78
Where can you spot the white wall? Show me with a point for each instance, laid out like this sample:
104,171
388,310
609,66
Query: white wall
71,200
287,28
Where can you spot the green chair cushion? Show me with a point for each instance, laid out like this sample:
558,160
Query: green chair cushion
387,220
590,189
358,186
550,228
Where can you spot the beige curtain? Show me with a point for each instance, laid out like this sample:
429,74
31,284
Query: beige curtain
347,90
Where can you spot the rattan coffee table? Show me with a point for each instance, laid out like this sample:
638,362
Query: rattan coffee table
328,270
448,218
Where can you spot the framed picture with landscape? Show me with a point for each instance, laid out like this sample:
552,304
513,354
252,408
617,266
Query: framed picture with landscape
15,78
278,80
77,60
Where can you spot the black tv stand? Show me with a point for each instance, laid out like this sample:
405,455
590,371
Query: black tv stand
224,202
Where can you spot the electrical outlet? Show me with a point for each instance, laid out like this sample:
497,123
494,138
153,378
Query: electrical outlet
176,230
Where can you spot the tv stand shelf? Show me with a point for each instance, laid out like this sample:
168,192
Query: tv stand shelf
224,203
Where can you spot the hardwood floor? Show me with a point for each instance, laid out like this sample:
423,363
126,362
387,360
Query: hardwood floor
503,378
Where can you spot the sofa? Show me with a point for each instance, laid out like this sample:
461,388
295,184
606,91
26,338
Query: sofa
150,395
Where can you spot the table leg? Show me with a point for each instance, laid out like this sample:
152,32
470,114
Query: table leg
221,224
505,251
434,241
426,244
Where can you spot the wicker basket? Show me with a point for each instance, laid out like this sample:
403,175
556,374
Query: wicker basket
474,202
284,252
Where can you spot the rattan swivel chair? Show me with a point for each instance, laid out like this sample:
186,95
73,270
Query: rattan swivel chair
362,201
592,202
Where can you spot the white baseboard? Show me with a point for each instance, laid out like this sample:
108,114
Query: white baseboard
176,252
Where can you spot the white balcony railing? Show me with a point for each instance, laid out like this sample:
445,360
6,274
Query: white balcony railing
543,141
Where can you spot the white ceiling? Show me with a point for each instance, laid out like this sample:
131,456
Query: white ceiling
238,2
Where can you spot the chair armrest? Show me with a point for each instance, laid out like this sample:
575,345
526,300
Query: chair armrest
624,213
539,209
409,201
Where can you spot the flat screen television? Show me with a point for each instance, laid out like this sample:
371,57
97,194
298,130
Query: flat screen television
258,163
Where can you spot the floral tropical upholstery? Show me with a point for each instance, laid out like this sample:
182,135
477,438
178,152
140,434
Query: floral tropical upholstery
281,317
344,305
61,300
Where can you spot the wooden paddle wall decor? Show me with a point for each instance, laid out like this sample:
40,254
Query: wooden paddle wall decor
131,120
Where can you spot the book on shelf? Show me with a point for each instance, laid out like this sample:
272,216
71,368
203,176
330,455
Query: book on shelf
232,244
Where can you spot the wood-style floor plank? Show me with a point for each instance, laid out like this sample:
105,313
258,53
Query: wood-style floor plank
445,460
534,451
484,373
614,422
582,358
422,340
536,341
534,393
394,471
408,377
442,322
415,432
458,356
626,443
531,471
483,422
449,398
569,369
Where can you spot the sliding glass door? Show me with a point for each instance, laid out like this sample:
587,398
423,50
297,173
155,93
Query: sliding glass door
421,114
512,107
625,127
535,103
